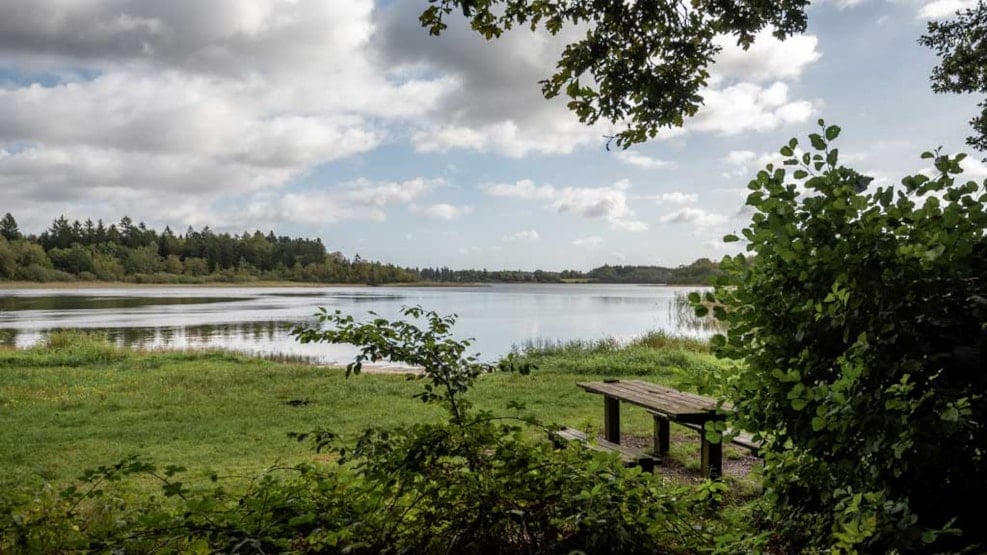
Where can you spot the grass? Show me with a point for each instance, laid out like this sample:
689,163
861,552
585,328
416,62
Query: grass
684,363
79,402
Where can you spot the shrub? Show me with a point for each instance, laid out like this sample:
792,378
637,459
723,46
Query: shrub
862,319
76,348
36,272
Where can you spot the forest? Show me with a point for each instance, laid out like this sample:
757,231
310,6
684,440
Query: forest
132,252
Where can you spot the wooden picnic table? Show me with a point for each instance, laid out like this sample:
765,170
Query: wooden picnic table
665,405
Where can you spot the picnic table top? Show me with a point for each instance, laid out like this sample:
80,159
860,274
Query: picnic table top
665,401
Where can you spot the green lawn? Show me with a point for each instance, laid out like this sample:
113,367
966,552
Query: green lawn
80,403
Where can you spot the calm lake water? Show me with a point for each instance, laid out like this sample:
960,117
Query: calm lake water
259,320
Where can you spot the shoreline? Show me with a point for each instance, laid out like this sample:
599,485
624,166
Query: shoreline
10,285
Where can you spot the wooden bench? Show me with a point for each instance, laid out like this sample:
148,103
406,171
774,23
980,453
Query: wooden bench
665,405
629,455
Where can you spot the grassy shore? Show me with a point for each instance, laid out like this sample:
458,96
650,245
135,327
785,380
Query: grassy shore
79,402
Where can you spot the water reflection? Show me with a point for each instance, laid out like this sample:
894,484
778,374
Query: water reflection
269,339
259,321
73,302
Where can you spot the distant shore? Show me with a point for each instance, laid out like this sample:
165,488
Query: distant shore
8,285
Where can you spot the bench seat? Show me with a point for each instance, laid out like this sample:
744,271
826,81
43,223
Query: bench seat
629,455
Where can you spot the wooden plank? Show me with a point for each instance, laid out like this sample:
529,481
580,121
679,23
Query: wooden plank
629,455
671,405
674,403
746,440
673,396
640,397
663,397
569,434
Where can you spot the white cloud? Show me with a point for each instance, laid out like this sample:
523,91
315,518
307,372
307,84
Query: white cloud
845,4
747,89
203,98
529,235
555,135
365,192
356,200
695,216
748,107
768,59
618,256
973,169
496,104
443,211
590,241
639,160
676,197
944,8
609,203
740,157
747,162
523,189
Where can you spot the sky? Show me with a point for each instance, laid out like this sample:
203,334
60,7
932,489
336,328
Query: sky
344,120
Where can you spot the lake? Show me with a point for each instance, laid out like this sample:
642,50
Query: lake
259,320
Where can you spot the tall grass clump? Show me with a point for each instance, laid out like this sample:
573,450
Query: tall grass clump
685,315
66,348
659,339
683,362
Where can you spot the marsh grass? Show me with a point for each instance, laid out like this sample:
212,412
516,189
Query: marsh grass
685,363
686,315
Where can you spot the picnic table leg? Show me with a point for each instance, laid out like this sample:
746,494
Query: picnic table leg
661,440
712,458
611,419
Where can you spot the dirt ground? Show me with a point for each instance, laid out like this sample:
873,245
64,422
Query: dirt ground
737,463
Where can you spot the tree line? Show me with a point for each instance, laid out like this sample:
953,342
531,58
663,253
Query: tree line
702,271
130,251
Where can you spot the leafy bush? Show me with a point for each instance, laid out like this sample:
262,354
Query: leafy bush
36,272
862,319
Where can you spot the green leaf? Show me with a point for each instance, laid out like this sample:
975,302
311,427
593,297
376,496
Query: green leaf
800,174
832,132
731,238
817,141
